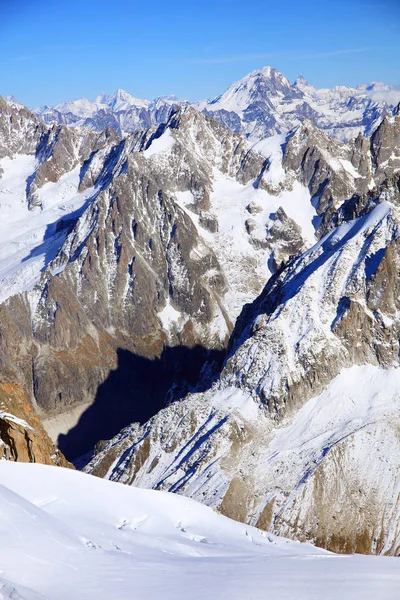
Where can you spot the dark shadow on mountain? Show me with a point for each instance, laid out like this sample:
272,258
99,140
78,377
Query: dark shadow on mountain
136,390
55,235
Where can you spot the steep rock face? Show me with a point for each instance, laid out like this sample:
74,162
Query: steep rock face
329,474
326,167
310,386
136,252
20,130
142,270
342,178
385,144
144,251
22,436
298,335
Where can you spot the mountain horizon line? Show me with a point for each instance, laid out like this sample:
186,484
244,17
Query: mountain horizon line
267,70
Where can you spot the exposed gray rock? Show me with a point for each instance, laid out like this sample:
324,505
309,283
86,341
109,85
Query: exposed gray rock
145,282
135,272
278,441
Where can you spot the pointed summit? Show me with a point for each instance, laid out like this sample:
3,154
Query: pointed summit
13,100
121,100
302,84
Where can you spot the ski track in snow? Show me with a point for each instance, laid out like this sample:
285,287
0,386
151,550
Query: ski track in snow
69,535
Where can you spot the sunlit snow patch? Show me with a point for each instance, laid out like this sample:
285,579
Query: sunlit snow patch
30,239
73,546
163,143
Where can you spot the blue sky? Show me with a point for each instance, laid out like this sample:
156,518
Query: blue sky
55,50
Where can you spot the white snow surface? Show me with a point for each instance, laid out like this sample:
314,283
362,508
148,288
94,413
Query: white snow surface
359,397
28,237
232,244
169,316
68,535
161,144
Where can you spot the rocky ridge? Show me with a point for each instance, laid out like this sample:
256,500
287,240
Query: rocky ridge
22,436
310,384
261,104
132,262
134,251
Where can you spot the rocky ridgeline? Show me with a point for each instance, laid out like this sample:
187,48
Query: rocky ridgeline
261,445
22,436
262,103
179,227
141,270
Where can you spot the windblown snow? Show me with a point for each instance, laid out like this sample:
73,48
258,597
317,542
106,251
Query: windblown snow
68,535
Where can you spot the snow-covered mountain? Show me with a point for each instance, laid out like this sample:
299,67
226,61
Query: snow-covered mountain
128,266
120,111
173,215
66,535
262,103
299,432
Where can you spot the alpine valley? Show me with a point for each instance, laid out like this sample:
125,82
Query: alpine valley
203,298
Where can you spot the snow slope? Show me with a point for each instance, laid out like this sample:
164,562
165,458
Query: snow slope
31,237
69,535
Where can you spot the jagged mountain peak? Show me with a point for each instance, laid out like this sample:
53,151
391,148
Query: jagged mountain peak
302,84
137,254
13,100
121,100
266,72
261,103
257,86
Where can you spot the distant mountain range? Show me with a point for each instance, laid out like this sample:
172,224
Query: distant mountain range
262,103
223,309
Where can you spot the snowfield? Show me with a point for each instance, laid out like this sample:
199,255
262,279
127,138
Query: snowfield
68,535
31,238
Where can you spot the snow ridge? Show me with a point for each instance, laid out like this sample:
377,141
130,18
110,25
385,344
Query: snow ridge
262,103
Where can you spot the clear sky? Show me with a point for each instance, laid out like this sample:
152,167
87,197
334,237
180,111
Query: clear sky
54,50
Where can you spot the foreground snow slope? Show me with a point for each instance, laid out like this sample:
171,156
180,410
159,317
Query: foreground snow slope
66,534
